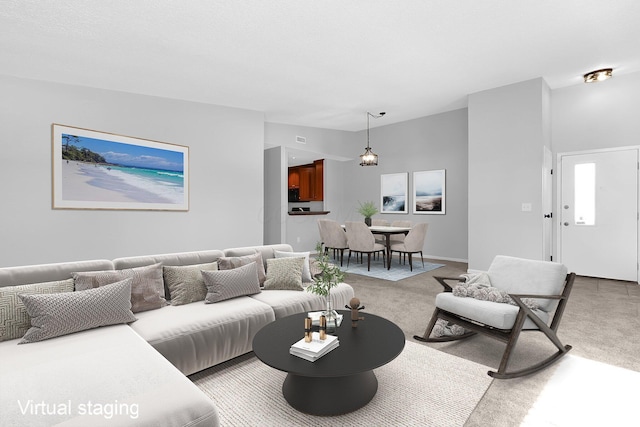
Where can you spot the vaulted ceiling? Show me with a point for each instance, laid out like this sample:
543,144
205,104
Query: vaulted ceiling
320,63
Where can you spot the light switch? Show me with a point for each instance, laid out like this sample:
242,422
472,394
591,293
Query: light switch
526,207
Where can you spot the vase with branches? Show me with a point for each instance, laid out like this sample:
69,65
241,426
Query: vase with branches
328,277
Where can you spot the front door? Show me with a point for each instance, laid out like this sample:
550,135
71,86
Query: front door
599,214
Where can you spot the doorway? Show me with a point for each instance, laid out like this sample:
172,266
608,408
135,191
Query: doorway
598,213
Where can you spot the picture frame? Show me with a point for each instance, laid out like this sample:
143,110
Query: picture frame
394,193
429,192
100,170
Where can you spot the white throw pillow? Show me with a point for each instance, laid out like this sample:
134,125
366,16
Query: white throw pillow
306,273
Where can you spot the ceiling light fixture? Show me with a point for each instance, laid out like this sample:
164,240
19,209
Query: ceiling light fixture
369,158
598,75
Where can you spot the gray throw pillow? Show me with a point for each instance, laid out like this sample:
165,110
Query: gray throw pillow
228,263
53,315
185,282
147,286
306,272
284,274
14,320
227,284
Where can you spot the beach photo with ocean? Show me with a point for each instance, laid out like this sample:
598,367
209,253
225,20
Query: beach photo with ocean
104,171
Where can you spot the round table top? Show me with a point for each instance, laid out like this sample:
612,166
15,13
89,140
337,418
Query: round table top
375,342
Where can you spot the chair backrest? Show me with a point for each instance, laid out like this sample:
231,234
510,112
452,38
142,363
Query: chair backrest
334,235
359,236
401,223
414,242
321,230
527,276
382,222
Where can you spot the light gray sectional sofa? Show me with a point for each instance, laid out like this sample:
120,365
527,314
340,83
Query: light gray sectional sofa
135,374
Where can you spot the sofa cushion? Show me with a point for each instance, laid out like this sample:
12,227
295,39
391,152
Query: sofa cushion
306,272
286,303
227,284
196,336
147,286
229,263
14,320
284,274
53,315
110,368
185,282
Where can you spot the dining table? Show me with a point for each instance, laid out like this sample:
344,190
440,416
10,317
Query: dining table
387,231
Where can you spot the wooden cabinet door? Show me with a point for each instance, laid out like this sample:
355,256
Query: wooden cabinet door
294,177
307,183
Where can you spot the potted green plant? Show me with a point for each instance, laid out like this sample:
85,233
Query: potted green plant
328,277
367,209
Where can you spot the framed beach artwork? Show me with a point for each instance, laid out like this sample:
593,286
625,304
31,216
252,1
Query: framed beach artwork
429,192
98,170
393,192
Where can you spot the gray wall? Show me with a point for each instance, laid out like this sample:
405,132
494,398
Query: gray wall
226,164
508,128
274,195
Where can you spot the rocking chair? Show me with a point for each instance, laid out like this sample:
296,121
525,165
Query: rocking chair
547,283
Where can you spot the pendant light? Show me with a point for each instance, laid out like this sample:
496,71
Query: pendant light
369,158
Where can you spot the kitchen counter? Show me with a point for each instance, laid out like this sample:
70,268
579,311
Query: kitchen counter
308,212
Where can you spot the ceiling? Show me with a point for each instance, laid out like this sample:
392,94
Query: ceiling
317,63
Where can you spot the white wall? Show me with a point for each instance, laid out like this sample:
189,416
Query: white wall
226,164
597,115
508,128
275,163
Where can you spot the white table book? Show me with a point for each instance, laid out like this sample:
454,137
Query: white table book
316,345
312,357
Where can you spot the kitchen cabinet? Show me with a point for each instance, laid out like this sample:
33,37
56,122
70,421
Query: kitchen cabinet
309,179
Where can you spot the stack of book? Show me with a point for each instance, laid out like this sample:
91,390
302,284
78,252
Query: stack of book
315,349
315,318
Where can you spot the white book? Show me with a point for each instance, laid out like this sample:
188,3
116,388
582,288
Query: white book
315,317
313,358
316,345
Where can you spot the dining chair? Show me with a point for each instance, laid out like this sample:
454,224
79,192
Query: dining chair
413,243
361,241
380,222
334,237
399,238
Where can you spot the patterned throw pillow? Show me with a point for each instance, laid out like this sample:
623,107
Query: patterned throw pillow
185,282
53,315
227,284
306,272
284,274
228,263
147,286
14,320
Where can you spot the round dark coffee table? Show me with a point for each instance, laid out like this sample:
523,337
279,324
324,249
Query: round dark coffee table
342,380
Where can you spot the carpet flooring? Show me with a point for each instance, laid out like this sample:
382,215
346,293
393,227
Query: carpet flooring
397,271
421,387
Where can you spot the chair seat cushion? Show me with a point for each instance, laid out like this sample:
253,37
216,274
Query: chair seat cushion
498,315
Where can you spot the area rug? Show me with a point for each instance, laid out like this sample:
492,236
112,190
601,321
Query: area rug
397,271
585,392
421,387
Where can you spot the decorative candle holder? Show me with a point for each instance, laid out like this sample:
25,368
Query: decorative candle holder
307,330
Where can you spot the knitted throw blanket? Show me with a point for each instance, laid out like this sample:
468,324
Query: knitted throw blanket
476,286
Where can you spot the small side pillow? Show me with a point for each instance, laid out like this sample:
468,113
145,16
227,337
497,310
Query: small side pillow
147,286
229,263
185,282
14,320
53,315
284,274
227,284
306,272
